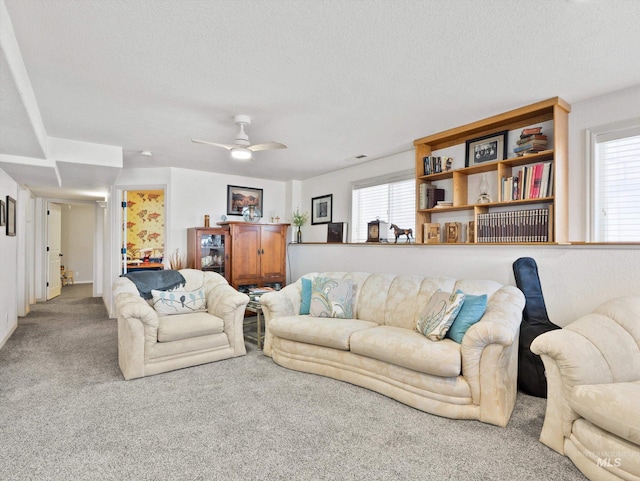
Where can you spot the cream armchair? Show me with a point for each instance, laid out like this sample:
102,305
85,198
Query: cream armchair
593,395
151,343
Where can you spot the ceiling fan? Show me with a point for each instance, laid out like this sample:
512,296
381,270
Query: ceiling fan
242,148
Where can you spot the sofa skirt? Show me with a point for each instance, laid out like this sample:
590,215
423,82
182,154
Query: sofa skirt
444,396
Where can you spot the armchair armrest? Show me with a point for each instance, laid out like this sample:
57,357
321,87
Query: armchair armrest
228,304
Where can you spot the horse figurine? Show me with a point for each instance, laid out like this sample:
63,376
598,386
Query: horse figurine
398,232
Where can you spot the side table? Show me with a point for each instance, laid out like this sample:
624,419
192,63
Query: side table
255,306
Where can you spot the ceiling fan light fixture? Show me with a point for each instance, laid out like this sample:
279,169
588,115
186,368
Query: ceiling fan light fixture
241,153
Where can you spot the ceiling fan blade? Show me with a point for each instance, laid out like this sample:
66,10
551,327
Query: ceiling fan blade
267,146
224,146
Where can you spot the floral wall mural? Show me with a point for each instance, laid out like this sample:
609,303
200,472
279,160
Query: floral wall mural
145,223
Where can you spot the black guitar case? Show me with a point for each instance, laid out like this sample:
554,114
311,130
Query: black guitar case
535,321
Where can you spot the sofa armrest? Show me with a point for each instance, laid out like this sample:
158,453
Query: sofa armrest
282,303
228,304
489,352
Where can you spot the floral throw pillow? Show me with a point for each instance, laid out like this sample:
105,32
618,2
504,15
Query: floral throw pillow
332,298
177,301
439,314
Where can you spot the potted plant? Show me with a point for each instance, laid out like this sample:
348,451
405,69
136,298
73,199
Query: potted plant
299,219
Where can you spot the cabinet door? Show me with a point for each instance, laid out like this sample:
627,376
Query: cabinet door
272,252
208,250
246,254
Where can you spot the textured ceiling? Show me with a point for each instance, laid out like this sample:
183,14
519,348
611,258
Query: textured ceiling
331,79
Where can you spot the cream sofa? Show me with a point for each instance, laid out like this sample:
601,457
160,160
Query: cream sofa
593,396
150,344
382,350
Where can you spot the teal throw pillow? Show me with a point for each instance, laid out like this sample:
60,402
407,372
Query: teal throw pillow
472,310
305,305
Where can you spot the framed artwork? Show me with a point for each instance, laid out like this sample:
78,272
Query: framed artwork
337,232
2,213
240,197
322,209
486,149
11,216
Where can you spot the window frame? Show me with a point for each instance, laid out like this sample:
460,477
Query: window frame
400,176
594,136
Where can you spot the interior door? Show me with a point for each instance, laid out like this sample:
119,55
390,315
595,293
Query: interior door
272,258
54,242
246,251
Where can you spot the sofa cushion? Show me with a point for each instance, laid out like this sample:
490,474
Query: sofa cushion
326,332
612,407
408,349
184,326
471,312
178,301
332,298
439,314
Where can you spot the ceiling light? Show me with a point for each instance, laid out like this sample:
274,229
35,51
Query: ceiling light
240,153
146,153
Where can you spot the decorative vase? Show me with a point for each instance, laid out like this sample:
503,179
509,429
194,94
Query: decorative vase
299,236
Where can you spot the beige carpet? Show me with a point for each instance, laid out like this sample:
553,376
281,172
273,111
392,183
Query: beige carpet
67,414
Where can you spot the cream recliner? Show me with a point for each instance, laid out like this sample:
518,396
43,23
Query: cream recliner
593,394
149,343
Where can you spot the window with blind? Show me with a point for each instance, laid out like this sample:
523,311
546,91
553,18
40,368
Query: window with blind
616,183
390,199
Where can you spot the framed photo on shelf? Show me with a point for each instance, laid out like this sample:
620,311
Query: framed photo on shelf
11,216
454,232
241,197
337,232
322,209
486,149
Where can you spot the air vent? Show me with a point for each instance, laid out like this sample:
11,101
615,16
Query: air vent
361,156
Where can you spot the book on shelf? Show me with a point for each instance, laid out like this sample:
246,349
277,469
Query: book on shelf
531,131
531,225
533,137
429,195
533,181
471,232
435,165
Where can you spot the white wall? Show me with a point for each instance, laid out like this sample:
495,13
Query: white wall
78,228
8,266
613,107
575,279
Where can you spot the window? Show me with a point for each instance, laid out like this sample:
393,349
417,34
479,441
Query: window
615,212
391,199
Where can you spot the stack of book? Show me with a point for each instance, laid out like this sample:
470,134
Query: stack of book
515,226
429,196
531,141
533,181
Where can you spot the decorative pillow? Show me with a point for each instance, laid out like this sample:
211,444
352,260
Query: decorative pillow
472,310
305,305
177,301
439,314
332,298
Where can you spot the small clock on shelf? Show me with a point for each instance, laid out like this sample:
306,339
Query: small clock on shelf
377,231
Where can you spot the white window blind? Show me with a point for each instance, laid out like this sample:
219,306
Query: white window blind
616,216
389,199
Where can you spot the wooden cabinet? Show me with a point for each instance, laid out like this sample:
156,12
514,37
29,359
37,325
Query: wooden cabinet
258,254
501,210
209,249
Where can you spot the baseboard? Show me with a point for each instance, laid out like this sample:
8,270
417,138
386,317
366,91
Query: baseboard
6,338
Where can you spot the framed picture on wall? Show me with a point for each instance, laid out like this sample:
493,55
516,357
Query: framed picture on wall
11,216
240,197
2,213
322,209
